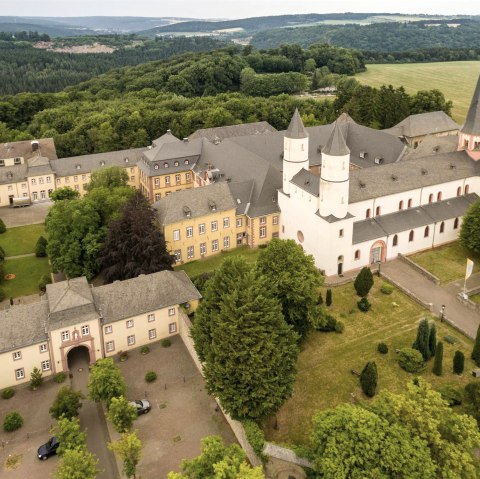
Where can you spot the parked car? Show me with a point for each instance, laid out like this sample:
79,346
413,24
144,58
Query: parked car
142,405
48,449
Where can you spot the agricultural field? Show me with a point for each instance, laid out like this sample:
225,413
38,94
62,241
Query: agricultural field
324,377
456,80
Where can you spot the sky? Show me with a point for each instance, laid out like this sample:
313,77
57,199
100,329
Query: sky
227,8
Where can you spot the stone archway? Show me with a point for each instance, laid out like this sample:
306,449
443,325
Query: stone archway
378,252
78,357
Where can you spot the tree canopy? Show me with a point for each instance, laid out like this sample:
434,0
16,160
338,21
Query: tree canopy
77,464
470,229
105,381
67,403
109,177
129,449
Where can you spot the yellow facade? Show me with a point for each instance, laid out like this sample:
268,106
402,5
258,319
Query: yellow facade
41,186
13,190
157,187
261,229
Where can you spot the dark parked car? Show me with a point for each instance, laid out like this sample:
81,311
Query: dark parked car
48,449
142,405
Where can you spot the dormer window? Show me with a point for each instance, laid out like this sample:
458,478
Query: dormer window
378,160
2,162
363,154
126,160
156,167
77,167
212,205
102,163
176,163
187,211
165,165
17,161
187,162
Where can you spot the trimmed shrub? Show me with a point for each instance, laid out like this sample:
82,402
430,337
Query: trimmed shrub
2,254
41,247
411,360
364,305
144,350
476,348
363,282
8,393
12,421
255,436
382,348
369,379
449,339
44,280
438,364
458,362
320,298
328,299
328,325
339,327
36,378
166,343
422,340
432,339
451,394
387,288
59,378
150,376
3,228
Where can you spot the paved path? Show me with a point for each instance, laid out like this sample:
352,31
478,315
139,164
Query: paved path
26,255
28,215
465,318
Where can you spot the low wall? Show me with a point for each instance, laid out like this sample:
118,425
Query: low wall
418,268
467,301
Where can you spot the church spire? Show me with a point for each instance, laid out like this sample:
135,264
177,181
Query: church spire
472,123
296,130
336,145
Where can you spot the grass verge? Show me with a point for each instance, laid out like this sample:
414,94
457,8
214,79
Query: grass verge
28,272
21,239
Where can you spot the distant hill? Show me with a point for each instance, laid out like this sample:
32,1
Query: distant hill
53,30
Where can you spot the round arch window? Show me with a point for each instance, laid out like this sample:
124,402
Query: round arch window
300,236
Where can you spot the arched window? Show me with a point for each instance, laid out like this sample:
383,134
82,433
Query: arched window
439,196
411,236
367,213
427,232
395,240
377,211
410,203
455,224
400,205
467,189
459,191
442,226
357,254
430,198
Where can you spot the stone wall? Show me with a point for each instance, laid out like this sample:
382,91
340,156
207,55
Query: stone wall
418,268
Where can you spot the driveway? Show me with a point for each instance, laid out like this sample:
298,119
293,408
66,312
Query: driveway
28,215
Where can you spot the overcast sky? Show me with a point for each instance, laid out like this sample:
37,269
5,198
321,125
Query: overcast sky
227,8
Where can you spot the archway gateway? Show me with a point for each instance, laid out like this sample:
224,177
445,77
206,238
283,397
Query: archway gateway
78,357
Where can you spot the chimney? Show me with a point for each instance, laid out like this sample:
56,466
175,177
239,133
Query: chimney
34,144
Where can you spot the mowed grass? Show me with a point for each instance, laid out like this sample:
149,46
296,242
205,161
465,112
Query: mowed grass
456,80
27,271
21,239
447,263
324,377
210,264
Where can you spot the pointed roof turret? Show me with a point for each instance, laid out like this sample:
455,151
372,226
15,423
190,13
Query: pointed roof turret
296,130
472,123
336,145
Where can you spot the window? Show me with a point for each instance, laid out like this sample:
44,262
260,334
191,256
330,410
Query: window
214,225
167,181
34,181
85,330
20,373
186,162
340,233
263,231
17,355
226,242
178,179
411,236
131,340
357,254
67,180
75,179
171,311
152,333
129,323
395,240
378,211
176,235
214,245
49,179
77,188
201,228
84,177
172,328
275,220
190,252
178,255
430,198
203,248
43,348
226,222
65,335
24,185
132,178
157,196
187,177
239,222
367,213
46,365
459,191
263,220
455,224
426,232
157,182
108,329
439,196
110,346
467,189
35,195
239,239
151,317
410,203
40,181
400,205
176,163
189,231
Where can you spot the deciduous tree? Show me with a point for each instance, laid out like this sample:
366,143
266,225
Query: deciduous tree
109,177
67,403
121,414
470,229
77,464
105,381
69,434
65,193
129,449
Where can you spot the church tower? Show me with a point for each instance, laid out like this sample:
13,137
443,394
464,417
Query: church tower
469,135
295,150
334,176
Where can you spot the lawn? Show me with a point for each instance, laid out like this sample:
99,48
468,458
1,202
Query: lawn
28,272
210,264
447,263
324,377
21,239
456,80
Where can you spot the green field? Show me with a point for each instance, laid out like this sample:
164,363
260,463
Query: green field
27,271
324,377
22,239
456,80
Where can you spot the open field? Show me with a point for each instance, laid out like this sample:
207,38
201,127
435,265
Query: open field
28,272
447,263
21,239
210,264
324,377
456,80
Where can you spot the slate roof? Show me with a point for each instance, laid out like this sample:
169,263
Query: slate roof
123,299
472,122
39,165
223,132
405,220
165,138
77,165
13,174
242,193
423,124
432,146
13,149
23,325
296,129
336,145
307,181
197,201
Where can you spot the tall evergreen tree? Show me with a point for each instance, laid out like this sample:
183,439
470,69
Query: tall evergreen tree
432,339
328,299
369,379
458,362
421,342
476,348
438,364
134,244
363,282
